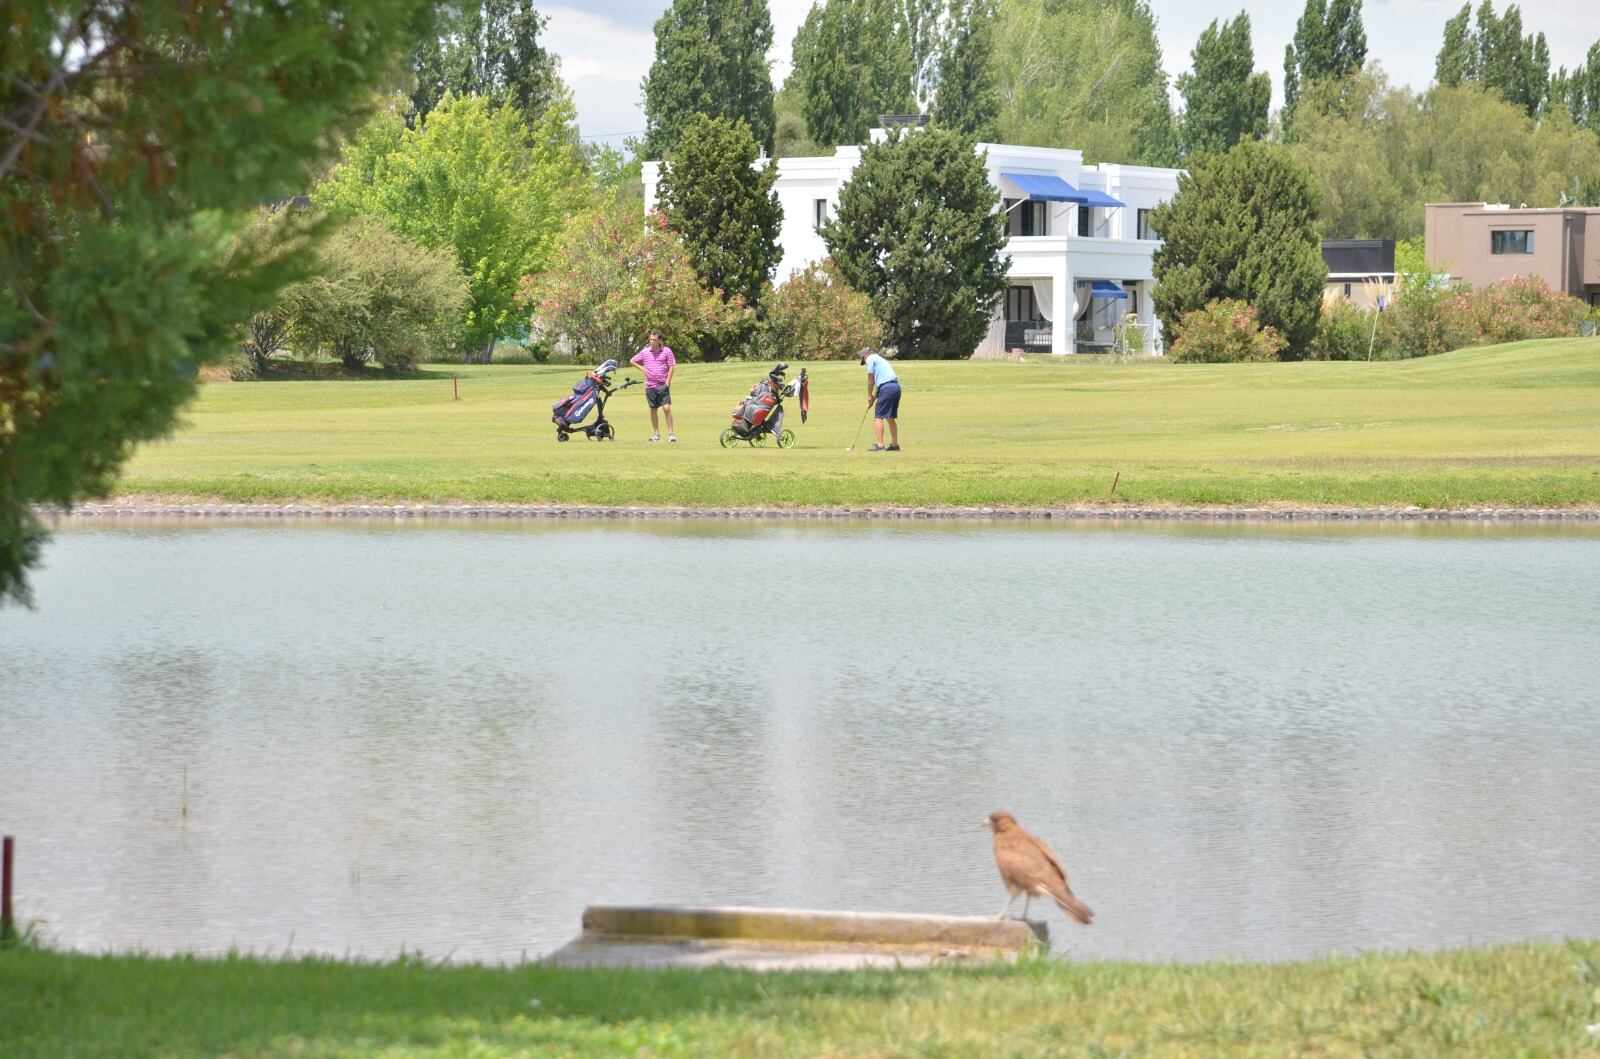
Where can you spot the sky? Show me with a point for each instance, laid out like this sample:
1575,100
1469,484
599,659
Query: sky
606,46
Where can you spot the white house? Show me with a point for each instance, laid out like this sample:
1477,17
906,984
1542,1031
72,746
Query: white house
1080,248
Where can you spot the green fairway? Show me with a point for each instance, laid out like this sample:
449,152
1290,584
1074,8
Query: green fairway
1532,1000
1515,425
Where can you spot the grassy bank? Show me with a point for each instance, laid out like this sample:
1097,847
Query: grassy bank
1514,425
1530,1000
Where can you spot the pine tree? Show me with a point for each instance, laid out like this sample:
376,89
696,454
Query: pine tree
711,59
967,99
140,139
723,207
487,48
1242,225
1225,100
918,230
1329,43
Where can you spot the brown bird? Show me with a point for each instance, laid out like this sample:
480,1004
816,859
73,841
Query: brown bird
1030,867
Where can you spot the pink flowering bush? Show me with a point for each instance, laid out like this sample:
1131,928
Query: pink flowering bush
1426,319
817,316
1225,331
612,280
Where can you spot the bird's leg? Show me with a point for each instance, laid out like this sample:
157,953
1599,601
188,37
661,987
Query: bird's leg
1026,904
1006,911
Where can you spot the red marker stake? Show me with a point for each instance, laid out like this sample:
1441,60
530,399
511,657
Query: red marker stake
7,922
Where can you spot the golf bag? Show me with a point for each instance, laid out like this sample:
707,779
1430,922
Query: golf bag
757,407
574,409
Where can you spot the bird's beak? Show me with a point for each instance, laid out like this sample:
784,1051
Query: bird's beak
986,824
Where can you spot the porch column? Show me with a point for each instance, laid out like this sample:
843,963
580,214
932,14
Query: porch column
1063,328
1147,315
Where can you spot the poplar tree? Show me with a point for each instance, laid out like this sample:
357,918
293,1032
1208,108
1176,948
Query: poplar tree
1579,91
1224,98
1329,44
1458,55
711,58
919,232
140,139
967,98
486,48
721,204
851,64
1497,55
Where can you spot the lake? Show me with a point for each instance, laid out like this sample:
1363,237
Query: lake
1244,741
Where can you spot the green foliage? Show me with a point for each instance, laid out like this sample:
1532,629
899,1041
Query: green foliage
851,64
486,48
968,100
1496,55
918,231
1225,331
139,138
1359,138
711,58
817,316
1579,91
1085,74
474,179
1243,226
1224,99
1345,332
377,297
1330,43
612,281
1428,318
723,207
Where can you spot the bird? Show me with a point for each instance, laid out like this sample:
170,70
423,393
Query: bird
1030,867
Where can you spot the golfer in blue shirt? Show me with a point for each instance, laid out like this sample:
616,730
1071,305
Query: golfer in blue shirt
883,386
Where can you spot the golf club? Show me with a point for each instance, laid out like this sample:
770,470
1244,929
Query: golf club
863,423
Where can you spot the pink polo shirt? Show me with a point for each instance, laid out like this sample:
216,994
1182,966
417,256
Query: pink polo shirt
655,364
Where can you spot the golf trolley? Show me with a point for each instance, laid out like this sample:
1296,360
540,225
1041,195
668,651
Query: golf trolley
760,415
589,395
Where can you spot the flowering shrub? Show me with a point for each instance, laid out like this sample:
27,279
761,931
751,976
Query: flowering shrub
1428,319
817,316
612,280
1225,331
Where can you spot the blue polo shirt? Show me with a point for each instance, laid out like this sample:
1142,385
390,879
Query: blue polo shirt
881,372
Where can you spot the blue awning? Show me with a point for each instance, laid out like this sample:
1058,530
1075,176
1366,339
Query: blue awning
1104,288
1091,197
1045,188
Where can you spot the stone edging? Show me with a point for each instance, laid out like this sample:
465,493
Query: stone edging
150,509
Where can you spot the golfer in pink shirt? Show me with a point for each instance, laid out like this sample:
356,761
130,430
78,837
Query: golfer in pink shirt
658,364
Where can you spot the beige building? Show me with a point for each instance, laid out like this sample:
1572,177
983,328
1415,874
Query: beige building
1482,243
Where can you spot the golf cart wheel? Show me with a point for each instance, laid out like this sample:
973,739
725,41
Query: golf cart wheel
560,436
728,437
604,433
786,439
759,439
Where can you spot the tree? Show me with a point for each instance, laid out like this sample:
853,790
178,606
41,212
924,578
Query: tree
613,280
723,207
851,64
1360,138
1085,74
486,48
472,178
1242,225
967,99
1329,44
377,297
1579,91
139,138
1224,99
918,231
711,58
816,315
1497,55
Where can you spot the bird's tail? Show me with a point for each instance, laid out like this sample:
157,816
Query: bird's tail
1074,907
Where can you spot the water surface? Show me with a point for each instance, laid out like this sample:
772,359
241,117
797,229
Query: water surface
1244,741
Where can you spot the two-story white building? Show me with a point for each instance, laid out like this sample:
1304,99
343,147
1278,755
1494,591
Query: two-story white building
1080,247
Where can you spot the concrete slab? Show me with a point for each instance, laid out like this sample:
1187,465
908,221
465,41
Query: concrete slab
789,939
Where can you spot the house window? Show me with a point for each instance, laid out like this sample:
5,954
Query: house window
1035,219
1020,304
1085,219
1511,242
1145,231
819,212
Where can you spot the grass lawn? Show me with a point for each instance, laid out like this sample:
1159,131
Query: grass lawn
1515,425
1528,1000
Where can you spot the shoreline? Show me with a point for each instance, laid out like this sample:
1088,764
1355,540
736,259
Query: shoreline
137,508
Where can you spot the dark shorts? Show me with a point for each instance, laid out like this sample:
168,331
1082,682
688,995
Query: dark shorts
888,401
656,396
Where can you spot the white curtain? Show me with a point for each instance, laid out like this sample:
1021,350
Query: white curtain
1043,290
